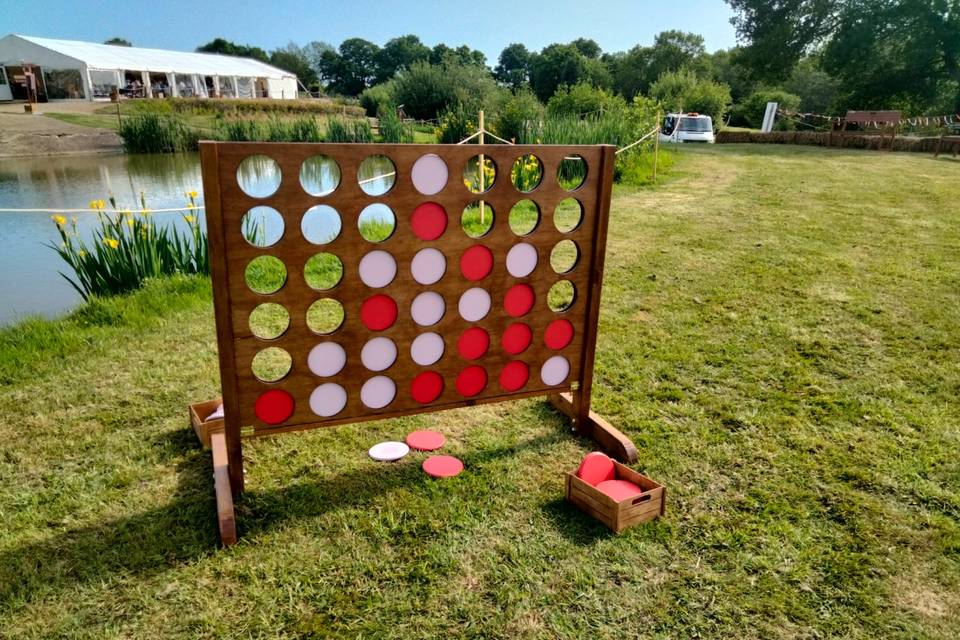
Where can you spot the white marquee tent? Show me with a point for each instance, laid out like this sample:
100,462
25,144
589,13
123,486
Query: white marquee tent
70,69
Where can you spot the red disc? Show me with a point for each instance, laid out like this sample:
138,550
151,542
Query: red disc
274,406
516,338
476,263
471,381
519,300
426,387
514,375
619,489
378,312
559,333
429,221
425,440
473,343
596,467
442,466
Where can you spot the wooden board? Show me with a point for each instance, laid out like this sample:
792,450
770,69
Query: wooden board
226,203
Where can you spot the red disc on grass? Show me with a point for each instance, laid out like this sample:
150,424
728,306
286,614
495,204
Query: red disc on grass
519,300
473,343
471,381
476,263
559,333
596,467
273,406
516,338
429,221
442,466
378,312
426,387
514,375
425,440
619,489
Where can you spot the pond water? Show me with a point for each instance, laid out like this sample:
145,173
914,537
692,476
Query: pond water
30,280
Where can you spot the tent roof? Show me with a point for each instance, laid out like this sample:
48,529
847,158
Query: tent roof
107,56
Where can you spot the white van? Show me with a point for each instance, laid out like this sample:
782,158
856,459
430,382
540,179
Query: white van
687,127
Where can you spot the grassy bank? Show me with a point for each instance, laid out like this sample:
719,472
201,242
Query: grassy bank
778,337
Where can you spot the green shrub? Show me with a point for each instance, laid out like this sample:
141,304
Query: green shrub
684,91
392,129
376,97
521,109
239,106
154,133
750,112
426,90
582,99
455,125
341,130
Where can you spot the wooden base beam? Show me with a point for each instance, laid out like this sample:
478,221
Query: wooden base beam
226,518
610,439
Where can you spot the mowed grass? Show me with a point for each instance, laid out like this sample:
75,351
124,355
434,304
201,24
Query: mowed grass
778,336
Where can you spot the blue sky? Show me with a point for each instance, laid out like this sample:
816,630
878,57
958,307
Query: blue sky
488,25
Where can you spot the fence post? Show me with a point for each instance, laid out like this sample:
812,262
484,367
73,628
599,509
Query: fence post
656,147
480,168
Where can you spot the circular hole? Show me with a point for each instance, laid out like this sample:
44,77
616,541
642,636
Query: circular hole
475,180
262,226
323,271
320,224
377,269
376,175
269,320
376,222
327,359
555,370
325,316
429,174
572,172
521,260
319,175
426,349
564,256
378,392
524,217
258,176
568,215
477,219
328,399
561,296
265,274
526,173
271,364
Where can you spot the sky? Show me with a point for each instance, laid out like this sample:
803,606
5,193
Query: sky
488,25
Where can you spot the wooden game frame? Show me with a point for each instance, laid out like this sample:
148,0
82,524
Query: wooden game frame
226,202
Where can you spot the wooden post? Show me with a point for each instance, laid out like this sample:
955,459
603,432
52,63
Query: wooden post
118,115
480,168
656,147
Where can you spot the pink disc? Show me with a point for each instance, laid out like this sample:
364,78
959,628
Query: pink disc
429,174
425,440
442,466
619,489
596,467
521,260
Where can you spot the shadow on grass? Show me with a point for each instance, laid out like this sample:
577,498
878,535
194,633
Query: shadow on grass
575,525
184,530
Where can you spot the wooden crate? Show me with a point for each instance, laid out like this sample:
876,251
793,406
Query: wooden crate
626,513
199,411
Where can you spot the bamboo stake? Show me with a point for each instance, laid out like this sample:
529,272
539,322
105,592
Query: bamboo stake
656,148
480,169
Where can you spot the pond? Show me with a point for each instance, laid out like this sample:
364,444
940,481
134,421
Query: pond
30,280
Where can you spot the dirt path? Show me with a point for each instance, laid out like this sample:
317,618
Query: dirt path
37,135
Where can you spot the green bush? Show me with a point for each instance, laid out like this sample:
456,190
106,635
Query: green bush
341,130
275,129
582,99
456,124
239,106
154,133
392,129
517,111
425,90
376,97
750,112
683,91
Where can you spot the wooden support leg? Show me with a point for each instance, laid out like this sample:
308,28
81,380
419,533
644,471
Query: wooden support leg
610,439
221,483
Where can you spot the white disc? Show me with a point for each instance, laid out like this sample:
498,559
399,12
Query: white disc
429,174
474,304
388,451
428,266
521,260
427,308
378,354
328,400
426,349
378,392
378,269
327,359
555,370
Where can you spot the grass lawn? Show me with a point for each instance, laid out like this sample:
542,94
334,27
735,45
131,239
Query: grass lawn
779,336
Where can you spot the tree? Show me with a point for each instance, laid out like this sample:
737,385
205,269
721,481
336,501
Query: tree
817,89
516,114
294,59
427,90
399,53
684,91
352,68
751,111
462,55
582,99
557,64
119,42
885,53
589,48
513,66
634,71
227,48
